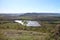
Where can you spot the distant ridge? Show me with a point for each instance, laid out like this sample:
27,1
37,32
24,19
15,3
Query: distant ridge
31,14
41,14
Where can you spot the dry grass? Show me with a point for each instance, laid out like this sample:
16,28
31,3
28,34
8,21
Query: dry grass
11,34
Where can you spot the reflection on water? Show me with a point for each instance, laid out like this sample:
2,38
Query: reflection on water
28,23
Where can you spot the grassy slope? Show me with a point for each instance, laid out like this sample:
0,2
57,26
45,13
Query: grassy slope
9,30
24,35
15,31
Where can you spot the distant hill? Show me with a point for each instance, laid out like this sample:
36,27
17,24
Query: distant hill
32,16
41,14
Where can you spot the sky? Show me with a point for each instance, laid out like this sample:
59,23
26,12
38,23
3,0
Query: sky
24,6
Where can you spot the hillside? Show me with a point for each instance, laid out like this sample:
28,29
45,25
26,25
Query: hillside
31,16
41,14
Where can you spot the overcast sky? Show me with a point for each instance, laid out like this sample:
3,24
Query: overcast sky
23,6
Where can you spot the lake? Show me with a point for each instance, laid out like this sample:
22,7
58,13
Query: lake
28,23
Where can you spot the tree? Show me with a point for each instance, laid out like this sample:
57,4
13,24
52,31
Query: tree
24,22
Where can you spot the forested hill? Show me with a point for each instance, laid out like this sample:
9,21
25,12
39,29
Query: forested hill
41,14
31,16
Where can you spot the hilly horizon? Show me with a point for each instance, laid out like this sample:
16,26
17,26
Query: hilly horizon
31,14
41,14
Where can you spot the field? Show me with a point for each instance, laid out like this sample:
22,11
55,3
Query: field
14,31
10,30
23,35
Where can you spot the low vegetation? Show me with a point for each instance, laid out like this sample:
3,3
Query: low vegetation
14,31
9,30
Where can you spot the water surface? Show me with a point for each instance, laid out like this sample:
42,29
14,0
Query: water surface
28,23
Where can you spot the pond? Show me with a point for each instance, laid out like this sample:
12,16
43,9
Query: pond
28,23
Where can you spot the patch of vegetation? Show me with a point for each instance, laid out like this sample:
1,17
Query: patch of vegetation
46,27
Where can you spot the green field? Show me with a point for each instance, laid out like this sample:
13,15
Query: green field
10,30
